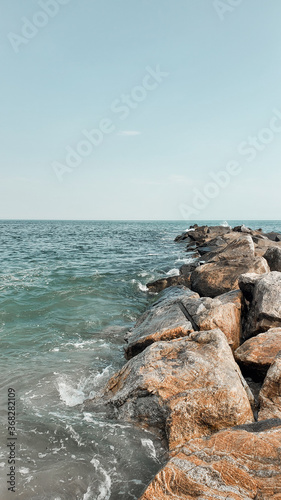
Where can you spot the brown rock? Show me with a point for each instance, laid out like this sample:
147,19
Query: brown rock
257,353
186,388
162,283
264,294
234,464
270,395
178,314
164,320
221,272
222,312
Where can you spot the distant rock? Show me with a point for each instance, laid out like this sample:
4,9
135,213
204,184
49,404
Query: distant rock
234,464
273,257
185,388
273,236
264,295
270,395
164,320
221,272
257,353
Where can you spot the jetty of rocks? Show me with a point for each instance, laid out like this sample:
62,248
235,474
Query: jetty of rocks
203,369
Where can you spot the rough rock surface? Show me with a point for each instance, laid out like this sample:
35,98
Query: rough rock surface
186,388
257,353
222,312
264,294
234,464
270,395
221,272
164,320
162,283
273,257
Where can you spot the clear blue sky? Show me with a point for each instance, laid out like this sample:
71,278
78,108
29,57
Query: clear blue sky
222,81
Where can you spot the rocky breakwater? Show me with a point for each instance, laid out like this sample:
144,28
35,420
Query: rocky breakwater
193,358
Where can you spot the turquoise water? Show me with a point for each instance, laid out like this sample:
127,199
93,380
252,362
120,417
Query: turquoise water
69,292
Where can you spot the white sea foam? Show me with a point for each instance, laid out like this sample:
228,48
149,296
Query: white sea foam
225,224
173,272
23,470
149,446
74,393
185,261
141,287
75,435
69,394
105,486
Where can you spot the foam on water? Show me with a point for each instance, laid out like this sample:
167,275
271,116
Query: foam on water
105,486
173,272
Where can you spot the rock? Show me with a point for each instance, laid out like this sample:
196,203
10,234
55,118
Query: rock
273,236
162,283
163,321
185,388
221,272
186,269
222,312
270,395
170,318
262,244
242,229
234,464
273,257
183,237
257,353
264,294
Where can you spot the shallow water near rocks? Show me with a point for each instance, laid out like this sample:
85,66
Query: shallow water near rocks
69,292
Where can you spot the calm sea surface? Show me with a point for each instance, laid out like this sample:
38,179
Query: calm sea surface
69,292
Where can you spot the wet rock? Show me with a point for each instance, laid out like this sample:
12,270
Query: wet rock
273,257
264,294
221,272
185,388
162,283
164,320
270,394
257,354
234,464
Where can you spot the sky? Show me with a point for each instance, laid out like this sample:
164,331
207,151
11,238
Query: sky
140,109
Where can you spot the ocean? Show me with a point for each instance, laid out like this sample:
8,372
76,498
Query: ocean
69,292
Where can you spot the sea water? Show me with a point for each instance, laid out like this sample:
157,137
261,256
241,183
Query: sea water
69,292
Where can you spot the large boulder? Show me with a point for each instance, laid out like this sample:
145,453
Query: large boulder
264,295
270,395
221,272
185,388
164,320
273,257
234,464
176,315
257,353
